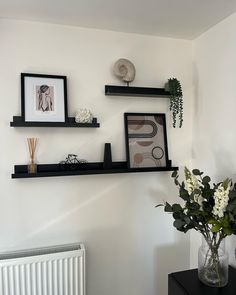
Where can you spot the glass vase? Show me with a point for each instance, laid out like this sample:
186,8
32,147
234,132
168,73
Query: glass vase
213,261
32,167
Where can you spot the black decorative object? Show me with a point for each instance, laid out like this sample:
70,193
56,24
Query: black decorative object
43,98
72,163
50,170
135,91
70,123
107,164
146,140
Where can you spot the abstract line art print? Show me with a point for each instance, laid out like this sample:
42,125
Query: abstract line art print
146,140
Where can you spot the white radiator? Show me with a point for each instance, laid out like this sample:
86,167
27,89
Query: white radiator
58,270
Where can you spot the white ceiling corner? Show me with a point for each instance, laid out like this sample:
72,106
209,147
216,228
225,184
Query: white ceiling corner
184,19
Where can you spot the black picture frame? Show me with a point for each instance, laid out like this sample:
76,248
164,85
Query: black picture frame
130,138
64,106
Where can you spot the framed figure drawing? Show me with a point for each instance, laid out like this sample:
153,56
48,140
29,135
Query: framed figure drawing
146,140
43,98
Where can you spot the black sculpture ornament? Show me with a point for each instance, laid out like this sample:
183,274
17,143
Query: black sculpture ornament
73,163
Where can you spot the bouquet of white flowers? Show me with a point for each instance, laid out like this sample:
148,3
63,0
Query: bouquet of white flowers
210,210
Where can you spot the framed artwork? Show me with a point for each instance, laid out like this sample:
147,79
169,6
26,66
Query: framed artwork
146,140
43,98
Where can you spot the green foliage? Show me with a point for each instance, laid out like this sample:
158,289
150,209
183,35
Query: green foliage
174,174
196,172
206,179
197,208
183,193
168,207
176,101
176,208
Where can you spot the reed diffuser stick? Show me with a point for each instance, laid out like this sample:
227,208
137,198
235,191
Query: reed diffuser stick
32,143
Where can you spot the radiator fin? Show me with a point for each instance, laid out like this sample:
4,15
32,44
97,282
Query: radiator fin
57,273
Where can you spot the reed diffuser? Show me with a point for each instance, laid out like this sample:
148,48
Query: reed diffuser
32,143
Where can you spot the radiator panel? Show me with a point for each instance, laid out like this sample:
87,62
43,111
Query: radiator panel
56,273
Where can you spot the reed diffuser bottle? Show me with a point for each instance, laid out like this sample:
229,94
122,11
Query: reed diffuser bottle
32,143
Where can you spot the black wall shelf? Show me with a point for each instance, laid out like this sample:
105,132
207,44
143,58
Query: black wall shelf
50,170
135,91
18,121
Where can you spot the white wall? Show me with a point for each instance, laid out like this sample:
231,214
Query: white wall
215,111
131,246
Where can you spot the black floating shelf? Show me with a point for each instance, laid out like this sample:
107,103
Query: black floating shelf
135,91
70,123
50,170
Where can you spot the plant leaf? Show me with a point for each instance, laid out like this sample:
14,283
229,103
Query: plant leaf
226,183
232,195
187,219
176,182
211,221
183,193
159,205
227,231
174,173
196,172
206,179
215,228
168,207
178,223
176,208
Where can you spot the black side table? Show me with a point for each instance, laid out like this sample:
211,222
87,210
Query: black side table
187,283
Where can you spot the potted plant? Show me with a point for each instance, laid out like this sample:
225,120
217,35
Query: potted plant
210,210
176,100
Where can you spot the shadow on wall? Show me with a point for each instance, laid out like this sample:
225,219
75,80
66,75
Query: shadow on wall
116,265
224,167
49,231
168,259
231,248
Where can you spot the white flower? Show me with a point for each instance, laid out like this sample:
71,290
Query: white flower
199,199
221,197
192,184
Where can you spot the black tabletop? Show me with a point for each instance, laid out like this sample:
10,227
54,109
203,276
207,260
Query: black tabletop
189,282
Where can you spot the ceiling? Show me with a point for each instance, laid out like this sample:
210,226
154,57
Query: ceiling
185,19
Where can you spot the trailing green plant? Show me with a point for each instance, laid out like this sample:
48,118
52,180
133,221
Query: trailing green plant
176,101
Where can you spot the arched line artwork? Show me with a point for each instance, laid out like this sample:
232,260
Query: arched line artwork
146,140
146,134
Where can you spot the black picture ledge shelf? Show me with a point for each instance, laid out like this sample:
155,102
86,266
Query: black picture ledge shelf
50,170
18,121
135,91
